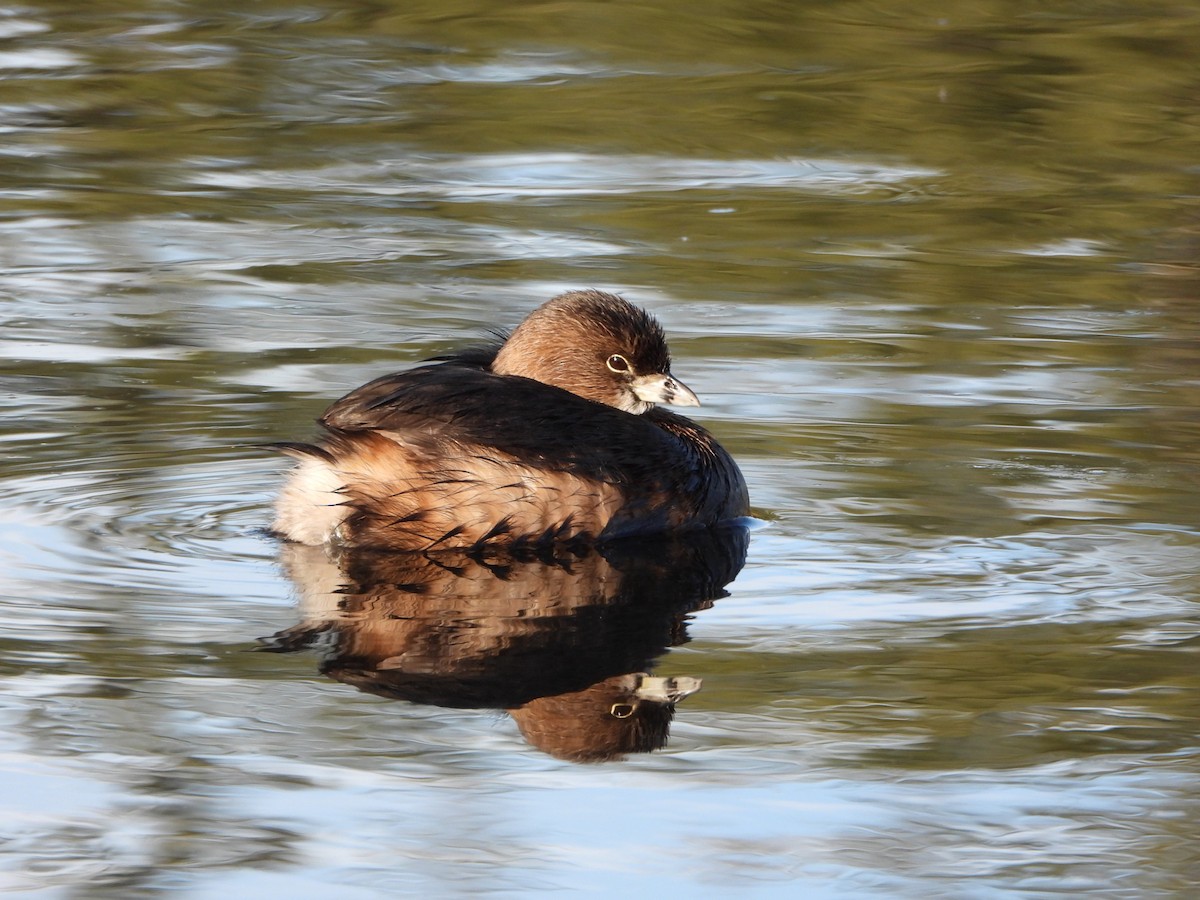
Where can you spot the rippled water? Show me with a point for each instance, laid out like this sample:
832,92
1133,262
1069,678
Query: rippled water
933,274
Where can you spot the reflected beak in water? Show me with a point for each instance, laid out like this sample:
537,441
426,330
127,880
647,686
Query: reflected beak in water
666,690
664,389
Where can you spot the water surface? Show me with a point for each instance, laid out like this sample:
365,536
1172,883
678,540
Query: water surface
933,274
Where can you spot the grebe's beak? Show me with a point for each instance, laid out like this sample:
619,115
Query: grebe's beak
663,389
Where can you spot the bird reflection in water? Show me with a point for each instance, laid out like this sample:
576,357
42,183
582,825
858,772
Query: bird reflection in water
563,643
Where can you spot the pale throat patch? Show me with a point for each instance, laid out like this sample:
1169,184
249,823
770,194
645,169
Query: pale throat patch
631,403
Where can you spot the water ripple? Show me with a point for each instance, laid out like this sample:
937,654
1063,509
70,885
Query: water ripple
529,175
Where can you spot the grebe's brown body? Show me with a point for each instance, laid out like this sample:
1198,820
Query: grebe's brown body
552,437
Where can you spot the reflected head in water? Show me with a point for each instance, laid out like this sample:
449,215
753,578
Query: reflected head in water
563,642
629,713
552,437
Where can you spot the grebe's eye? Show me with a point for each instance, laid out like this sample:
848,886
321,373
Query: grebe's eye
618,363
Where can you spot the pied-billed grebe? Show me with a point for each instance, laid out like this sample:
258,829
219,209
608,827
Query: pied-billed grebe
552,437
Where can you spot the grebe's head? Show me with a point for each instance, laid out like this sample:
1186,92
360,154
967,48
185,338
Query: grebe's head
598,346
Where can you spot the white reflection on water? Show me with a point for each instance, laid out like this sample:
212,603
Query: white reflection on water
566,174
182,244
45,58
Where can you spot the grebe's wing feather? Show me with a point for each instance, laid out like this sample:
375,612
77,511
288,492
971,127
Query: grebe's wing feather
516,416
